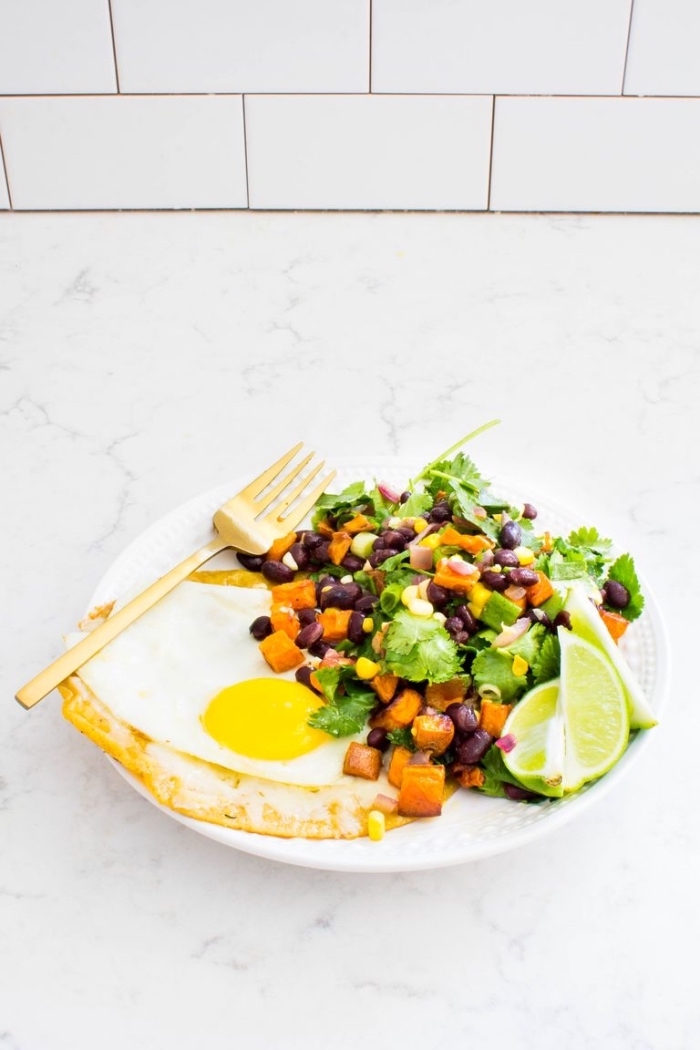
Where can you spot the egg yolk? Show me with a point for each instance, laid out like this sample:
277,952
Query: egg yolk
265,718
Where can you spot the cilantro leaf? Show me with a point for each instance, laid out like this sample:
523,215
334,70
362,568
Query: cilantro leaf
529,644
624,572
416,504
495,667
418,649
497,773
345,713
547,664
343,506
583,553
402,738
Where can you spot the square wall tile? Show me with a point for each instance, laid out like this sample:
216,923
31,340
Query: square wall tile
52,48
505,47
596,154
368,152
65,153
242,45
663,50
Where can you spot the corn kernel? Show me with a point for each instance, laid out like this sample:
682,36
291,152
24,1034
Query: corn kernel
432,541
520,666
366,669
367,624
376,825
419,607
440,617
420,524
409,594
395,522
524,555
423,589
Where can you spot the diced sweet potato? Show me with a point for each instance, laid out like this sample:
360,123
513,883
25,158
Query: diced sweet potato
615,623
470,776
335,624
400,712
339,546
384,686
362,761
421,792
280,652
280,547
357,524
453,581
433,732
472,544
539,592
493,716
299,594
283,618
400,756
441,695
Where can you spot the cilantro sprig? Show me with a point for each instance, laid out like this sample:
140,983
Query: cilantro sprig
624,572
348,702
420,649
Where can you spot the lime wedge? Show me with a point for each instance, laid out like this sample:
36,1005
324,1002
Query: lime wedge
587,624
537,760
594,707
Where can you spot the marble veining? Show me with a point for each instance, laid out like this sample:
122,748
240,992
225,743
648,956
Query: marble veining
145,358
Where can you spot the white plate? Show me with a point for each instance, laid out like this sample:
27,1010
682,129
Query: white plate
472,825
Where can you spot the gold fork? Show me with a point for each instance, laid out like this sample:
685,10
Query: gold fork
238,524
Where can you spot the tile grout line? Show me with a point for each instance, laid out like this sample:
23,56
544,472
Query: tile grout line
245,155
347,94
114,45
627,50
3,166
493,132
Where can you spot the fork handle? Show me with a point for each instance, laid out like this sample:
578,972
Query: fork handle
70,661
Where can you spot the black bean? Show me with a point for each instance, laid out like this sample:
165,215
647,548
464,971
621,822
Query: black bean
300,554
303,675
260,628
378,738
468,619
320,553
440,512
339,596
306,616
313,632
474,747
379,544
377,557
404,497
529,511
616,594
355,632
276,571
437,595
510,535
319,649
464,717
518,794
497,581
392,538
407,532
352,563
461,637
506,558
453,625
562,619
312,540
523,577
251,561
366,603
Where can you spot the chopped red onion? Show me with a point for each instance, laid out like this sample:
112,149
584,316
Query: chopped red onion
420,558
433,527
510,634
462,568
389,493
507,742
515,593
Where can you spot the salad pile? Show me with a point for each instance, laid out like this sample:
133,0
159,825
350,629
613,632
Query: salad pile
424,616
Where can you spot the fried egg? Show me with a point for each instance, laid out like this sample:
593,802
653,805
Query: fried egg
187,674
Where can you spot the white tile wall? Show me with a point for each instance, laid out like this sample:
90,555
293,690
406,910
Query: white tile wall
578,154
55,47
663,51
500,46
242,45
368,152
121,152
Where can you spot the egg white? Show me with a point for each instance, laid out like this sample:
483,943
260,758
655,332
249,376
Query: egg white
160,674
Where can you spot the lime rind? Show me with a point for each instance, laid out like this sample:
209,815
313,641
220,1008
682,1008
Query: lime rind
587,624
594,707
537,760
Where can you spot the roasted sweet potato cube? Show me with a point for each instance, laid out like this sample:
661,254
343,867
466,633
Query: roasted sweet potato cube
280,547
280,652
362,761
421,792
335,624
433,732
384,686
493,716
615,623
471,776
399,758
339,546
283,618
400,712
299,594
441,695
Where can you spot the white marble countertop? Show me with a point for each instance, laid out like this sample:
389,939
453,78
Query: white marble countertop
142,358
